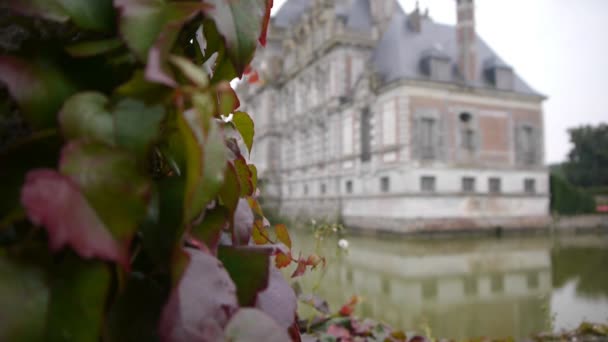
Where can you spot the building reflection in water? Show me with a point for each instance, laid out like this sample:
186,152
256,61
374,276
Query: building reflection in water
459,289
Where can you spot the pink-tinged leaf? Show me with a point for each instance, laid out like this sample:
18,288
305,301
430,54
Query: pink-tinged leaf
39,89
278,300
250,325
240,23
339,332
202,304
55,202
300,270
243,222
244,173
283,235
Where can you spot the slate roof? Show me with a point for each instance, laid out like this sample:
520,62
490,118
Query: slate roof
399,51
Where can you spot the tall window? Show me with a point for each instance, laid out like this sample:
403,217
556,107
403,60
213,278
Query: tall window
385,184
427,138
347,134
530,186
389,123
529,145
349,187
323,188
366,146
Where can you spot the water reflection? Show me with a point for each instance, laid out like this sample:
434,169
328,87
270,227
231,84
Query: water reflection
472,287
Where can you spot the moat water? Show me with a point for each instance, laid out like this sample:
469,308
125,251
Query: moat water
466,287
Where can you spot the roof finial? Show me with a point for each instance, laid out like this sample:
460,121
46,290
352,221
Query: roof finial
417,5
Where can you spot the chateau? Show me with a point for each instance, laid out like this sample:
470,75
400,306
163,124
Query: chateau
389,120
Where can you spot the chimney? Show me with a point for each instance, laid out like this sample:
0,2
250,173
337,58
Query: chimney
414,20
466,36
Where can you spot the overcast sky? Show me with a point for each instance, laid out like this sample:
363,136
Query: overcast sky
560,47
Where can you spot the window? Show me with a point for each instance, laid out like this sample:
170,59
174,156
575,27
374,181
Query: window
347,134
385,184
349,187
427,140
468,139
468,184
365,136
470,285
497,283
527,141
323,188
389,123
427,184
305,189
494,185
530,186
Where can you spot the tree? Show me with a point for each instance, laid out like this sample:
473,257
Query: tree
587,164
129,211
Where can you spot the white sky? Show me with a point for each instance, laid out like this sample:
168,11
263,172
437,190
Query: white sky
559,47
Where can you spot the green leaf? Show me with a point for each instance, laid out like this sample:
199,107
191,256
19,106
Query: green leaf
240,23
38,87
86,116
194,73
244,174
96,15
24,297
248,268
138,87
137,126
93,48
283,235
254,176
78,297
231,190
254,325
210,229
48,9
112,184
205,162
244,124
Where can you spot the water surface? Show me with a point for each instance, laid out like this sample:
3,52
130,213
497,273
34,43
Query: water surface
468,287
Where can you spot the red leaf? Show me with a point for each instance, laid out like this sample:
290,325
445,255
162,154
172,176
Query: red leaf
278,300
282,260
202,304
55,202
253,78
300,270
265,22
348,308
314,260
339,332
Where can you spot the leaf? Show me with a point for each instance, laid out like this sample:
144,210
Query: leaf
300,269
240,23
254,177
244,174
228,101
243,222
265,22
39,89
50,10
278,300
24,297
78,297
55,202
244,124
39,150
282,260
259,233
114,188
230,191
193,72
93,48
86,116
254,325
209,230
95,15
137,126
201,305
348,308
248,268
283,235
205,163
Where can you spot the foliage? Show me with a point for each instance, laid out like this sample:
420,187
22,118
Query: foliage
129,212
587,164
567,199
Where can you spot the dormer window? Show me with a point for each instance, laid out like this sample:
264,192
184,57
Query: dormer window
436,65
498,74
